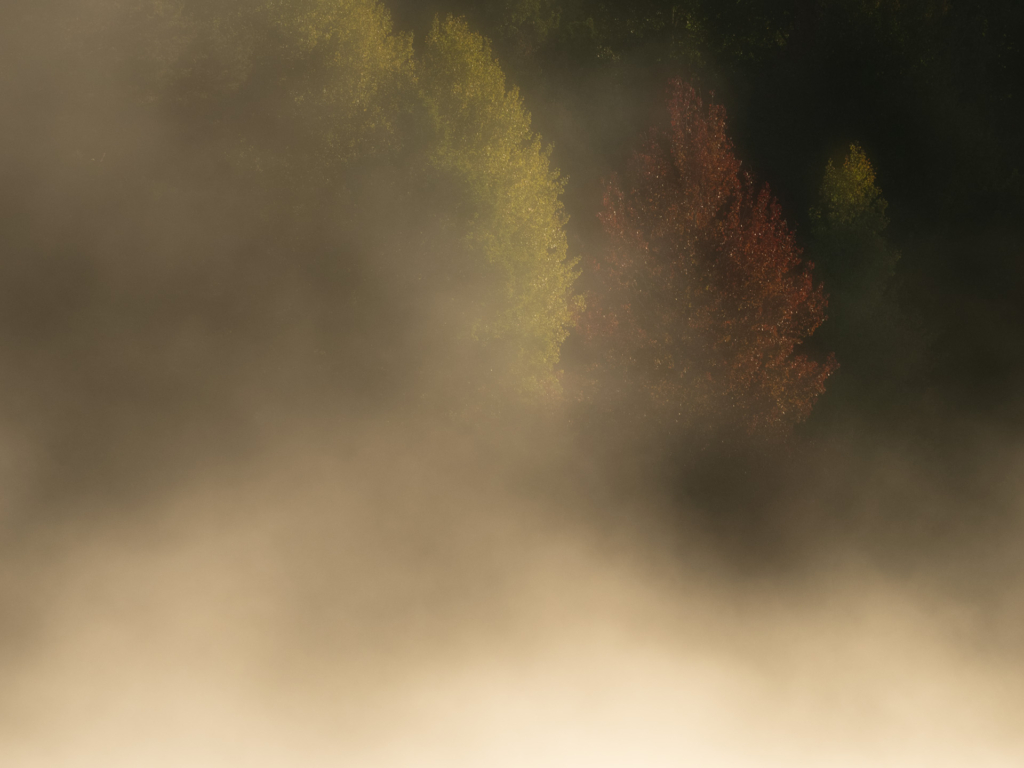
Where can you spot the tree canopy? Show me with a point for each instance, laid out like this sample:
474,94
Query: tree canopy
509,209
849,224
337,125
701,300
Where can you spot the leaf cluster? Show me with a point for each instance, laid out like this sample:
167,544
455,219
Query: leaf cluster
702,300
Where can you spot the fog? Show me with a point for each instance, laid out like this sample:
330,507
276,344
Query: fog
392,599
239,525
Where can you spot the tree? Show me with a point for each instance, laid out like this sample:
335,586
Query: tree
404,190
306,87
848,226
700,302
528,24
878,342
506,206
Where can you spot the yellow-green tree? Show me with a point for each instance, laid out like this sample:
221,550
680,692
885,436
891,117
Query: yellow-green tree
425,158
876,343
857,262
508,207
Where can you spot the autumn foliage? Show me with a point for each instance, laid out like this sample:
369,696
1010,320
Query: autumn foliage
697,308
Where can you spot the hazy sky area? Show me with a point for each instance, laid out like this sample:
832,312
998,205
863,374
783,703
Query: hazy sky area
385,391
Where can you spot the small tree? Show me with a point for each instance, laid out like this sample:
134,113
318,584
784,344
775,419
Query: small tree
409,181
879,344
701,301
849,222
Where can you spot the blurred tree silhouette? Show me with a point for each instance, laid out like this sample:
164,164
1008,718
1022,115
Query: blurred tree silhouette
398,185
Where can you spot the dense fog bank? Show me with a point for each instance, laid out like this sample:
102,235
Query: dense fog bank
412,597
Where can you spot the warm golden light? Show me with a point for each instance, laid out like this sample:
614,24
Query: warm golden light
321,617
519,384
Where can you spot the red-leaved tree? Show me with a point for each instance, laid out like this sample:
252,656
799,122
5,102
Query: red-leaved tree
700,302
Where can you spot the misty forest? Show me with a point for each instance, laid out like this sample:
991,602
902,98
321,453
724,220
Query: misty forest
425,383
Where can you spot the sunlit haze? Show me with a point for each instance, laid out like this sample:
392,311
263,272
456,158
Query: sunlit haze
542,383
